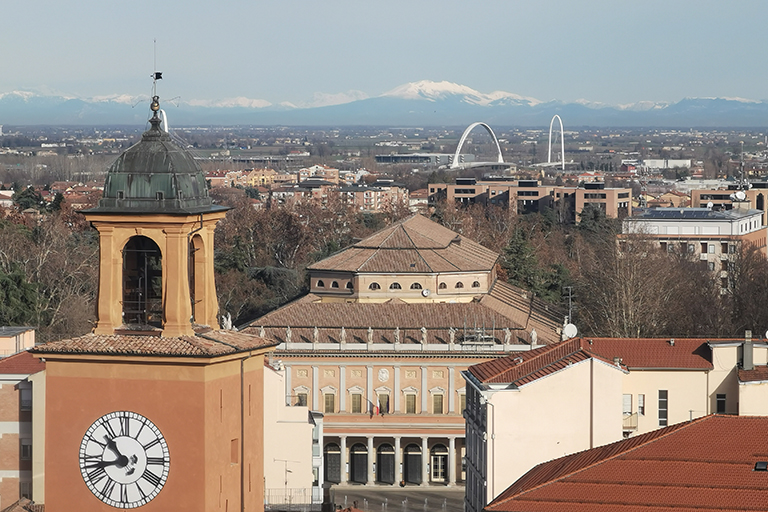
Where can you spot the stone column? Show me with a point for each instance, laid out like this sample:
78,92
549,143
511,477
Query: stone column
369,386
397,390
316,389
371,460
398,462
288,390
343,448
451,461
177,309
451,393
424,462
342,388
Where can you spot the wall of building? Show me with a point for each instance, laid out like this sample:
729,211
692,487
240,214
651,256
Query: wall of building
550,418
287,465
15,429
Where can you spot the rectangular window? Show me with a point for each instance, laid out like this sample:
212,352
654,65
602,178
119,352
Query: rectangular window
357,403
724,265
437,404
329,399
26,399
383,403
26,449
641,405
627,404
301,399
663,407
720,404
410,404
711,249
724,247
25,490
711,265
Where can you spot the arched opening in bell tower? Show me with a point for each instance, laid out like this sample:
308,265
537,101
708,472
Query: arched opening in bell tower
142,283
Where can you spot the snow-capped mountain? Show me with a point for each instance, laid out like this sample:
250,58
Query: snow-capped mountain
423,103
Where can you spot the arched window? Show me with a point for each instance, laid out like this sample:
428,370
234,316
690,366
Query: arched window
476,284
142,282
350,286
443,286
374,286
320,283
459,285
415,286
395,286
335,284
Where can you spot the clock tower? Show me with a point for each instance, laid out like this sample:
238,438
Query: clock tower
158,408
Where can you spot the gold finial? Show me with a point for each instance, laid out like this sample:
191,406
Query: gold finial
155,105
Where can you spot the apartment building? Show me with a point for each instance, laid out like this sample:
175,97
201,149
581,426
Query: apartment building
725,198
587,392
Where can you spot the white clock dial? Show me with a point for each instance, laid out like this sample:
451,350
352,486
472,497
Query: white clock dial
124,459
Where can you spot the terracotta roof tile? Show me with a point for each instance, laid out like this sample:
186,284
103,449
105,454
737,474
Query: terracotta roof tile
22,363
758,374
635,353
209,344
329,317
694,465
416,241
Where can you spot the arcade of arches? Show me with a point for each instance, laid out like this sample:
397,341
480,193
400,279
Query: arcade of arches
392,460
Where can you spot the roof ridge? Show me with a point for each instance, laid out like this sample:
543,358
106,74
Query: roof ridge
640,441
418,252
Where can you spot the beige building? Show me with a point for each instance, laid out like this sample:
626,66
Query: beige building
21,399
16,339
724,199
379,344
587,392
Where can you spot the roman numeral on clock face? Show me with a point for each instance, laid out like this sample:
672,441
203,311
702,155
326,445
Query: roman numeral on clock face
151,478
156,460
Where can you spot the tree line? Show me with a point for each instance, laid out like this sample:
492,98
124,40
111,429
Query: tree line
49,267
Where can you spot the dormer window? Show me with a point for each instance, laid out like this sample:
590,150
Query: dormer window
320,283
459,285
443,286
159,195
350,286
335,284
395,286
415,286
476,284
120,194
374,286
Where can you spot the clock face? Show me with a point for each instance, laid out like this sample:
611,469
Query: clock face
124,459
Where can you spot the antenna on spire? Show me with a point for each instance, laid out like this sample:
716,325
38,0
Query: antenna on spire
156,75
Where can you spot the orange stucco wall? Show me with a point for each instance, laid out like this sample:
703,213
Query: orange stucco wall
195,406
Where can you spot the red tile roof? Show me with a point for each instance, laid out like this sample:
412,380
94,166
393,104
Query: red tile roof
414,245
634,353
308,312
707,463
22,363
209,344
758,374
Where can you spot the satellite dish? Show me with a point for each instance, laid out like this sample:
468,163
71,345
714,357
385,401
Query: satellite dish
740,195
570,331
766,335
710,205
425,292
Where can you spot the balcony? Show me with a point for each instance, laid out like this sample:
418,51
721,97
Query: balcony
630,422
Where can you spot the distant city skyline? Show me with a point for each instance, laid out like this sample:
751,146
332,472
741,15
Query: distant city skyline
309,53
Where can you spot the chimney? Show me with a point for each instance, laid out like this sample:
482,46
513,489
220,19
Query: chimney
672,342
747,362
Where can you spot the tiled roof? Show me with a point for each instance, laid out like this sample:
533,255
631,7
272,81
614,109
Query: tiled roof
22,363
758,374
209,344
414,245
634,353
707,463
308,312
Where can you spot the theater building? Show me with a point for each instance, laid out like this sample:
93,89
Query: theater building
379,343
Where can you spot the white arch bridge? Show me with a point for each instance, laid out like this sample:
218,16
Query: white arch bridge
458,164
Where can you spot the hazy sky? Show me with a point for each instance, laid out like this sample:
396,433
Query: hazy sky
286,50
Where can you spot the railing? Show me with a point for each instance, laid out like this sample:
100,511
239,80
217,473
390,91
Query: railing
299,500
630,421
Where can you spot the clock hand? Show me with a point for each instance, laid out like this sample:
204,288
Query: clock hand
120,462
112,445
